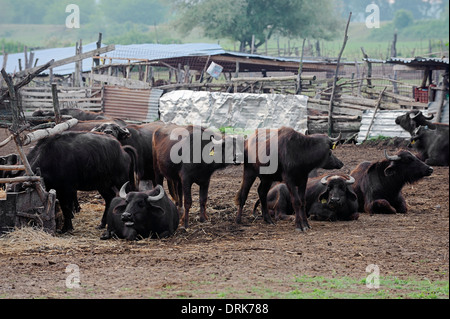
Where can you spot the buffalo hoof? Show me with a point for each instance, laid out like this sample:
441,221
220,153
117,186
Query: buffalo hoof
101,226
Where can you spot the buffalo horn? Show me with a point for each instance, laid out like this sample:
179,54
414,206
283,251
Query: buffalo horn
324,180
216,142
336,139
414,115
429,118
391,158
123,192
157,197
351,180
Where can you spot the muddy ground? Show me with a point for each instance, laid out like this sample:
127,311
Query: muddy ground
220,259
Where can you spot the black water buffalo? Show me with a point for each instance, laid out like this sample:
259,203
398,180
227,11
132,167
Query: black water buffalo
85,161
278,202
413,119
11,159
331,198
138,136
185,155
432,144
141,214
379,184
75,113
293,156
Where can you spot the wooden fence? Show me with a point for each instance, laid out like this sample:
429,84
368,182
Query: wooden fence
86,98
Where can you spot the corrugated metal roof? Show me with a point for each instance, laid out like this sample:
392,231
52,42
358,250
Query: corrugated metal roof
383,125
46,55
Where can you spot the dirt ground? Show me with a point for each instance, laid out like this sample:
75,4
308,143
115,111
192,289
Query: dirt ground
220,259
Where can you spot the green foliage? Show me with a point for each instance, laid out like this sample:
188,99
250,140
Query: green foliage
241,19
403,18
11,46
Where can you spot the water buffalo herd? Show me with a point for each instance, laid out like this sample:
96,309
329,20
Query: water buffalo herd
112,157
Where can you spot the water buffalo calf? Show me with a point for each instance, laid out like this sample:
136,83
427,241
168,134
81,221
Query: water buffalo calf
379,184
141,214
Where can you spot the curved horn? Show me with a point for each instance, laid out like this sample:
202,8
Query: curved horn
123,192
429,118
216,142
412,116
157,197
336,139
350,181
391,158
324,180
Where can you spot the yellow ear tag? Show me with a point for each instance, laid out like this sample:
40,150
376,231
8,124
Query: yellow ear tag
413,142
211,153
334,146
323,201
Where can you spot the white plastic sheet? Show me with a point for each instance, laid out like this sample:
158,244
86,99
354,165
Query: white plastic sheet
238,110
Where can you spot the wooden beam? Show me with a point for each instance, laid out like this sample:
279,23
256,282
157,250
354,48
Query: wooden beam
72,59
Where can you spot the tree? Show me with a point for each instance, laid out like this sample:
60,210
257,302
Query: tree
403,18
148,12
239,20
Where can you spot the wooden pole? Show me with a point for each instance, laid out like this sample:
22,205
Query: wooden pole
330,109
300,70
56,103
375,113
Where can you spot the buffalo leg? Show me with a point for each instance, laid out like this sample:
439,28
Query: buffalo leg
379,206
298,203
187,185
241,197
108,196
203,198
263,189
66,203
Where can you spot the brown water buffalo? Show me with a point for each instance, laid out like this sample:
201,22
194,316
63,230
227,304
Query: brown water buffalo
379,184
185,155
292,157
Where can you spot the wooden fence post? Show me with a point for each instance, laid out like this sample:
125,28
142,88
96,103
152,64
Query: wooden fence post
330,109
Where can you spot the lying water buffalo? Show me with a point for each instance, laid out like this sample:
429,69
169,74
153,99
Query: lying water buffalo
413,119
432,144
331,198
293,156
185,155
141,214
85,161
278,202
379,184
11,159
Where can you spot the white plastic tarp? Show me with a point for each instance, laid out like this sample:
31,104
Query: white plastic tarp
238,110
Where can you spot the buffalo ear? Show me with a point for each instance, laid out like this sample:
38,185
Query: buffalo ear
323,197
123,133
351,194
390,170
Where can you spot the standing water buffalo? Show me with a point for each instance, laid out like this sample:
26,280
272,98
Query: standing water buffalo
138,136
141,214
293,156
187,155
379,184
85,161
331,198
